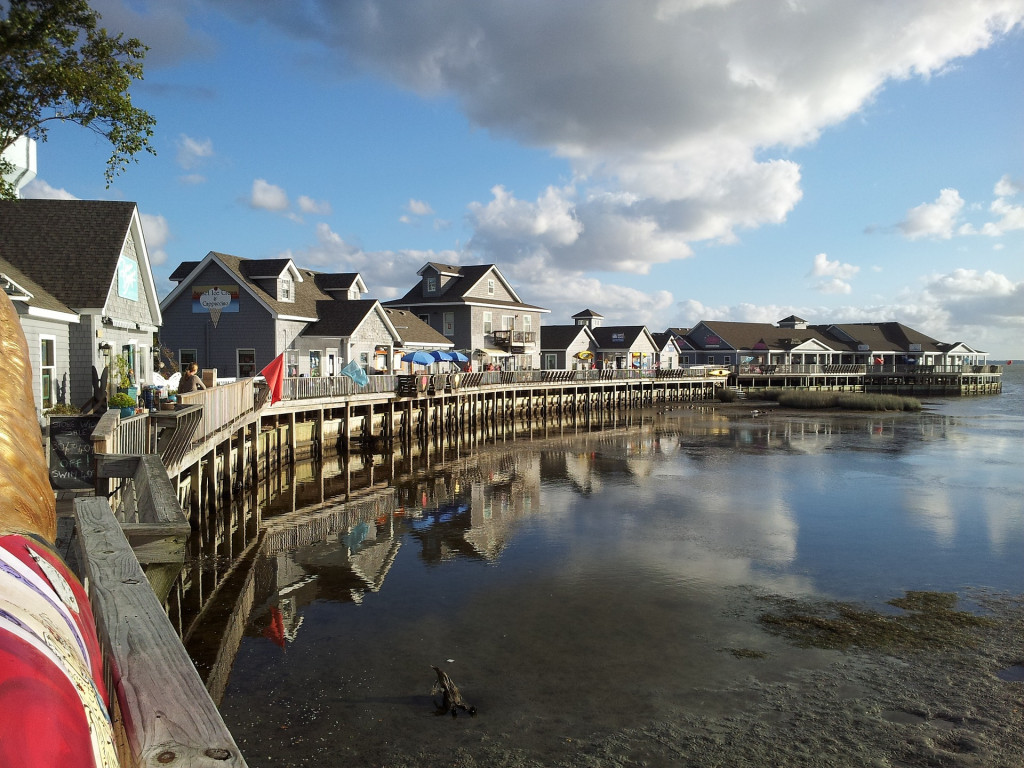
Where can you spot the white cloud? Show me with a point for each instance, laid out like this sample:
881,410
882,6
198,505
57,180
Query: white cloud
936,219
157,232
309,205
419,208
1006,187
835,274
191,151
268,197
621,90
39,189
983,309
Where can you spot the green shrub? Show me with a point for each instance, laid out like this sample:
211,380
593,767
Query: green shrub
847,401
62,409
121,400
725,395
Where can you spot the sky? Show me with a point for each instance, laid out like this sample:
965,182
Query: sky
659,162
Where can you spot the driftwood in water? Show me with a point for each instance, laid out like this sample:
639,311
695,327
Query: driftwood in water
451,699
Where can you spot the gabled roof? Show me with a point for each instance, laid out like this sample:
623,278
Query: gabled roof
607,336
881,336
340,281
69,247
340,318
455,292
310,287
21,287
664,338
413,331
444,269
269,269
758,336
560,337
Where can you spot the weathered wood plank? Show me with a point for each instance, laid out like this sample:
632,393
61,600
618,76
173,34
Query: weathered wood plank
169,716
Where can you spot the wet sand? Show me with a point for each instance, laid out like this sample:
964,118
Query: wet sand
767,702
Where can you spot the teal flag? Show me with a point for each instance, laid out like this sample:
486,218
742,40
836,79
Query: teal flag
357,374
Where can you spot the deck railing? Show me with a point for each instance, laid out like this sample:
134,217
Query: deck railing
223,405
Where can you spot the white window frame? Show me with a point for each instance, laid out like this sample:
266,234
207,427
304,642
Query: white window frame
48,400
448,324
238,362
508,322
186,356
431,285
286,289
527,322
488,323
319,353
490,286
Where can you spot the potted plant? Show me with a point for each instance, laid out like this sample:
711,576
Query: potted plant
124,376
124,402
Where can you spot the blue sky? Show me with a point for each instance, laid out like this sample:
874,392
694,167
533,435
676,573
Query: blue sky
659,162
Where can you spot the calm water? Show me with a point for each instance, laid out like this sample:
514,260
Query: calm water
588,584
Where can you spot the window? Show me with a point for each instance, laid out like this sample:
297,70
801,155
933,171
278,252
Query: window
285,289
727,358
711,358
424,318
431,285
488,323
449,324
527,323
186,356
686,359
314,362
292,362
550,360
490,287
47,365
246,362
508,322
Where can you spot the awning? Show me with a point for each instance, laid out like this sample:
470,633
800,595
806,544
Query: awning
493,352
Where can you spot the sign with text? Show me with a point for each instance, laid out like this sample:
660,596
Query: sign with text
71,457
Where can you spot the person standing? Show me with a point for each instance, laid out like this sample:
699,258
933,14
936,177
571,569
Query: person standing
190,381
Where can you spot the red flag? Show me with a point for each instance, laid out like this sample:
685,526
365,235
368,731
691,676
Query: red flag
274,374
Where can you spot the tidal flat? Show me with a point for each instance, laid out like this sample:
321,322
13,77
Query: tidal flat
708,587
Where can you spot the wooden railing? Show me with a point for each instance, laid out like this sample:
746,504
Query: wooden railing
222,405
507,337
163,714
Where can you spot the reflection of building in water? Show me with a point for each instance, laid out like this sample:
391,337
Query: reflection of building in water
489,498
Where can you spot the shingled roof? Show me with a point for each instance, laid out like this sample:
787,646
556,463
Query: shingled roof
414,331
560,336
41,298
70,247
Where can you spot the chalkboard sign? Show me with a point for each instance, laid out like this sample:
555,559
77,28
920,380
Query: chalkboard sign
71,457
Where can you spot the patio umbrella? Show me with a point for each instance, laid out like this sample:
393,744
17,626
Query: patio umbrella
458,357
440,355
419,357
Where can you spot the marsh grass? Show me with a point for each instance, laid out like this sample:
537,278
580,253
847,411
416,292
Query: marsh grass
929,621
847,401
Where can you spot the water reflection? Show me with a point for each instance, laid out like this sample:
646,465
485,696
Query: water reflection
605,562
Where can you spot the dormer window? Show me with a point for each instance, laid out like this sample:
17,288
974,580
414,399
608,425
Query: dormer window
285,289
490,287
431,285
